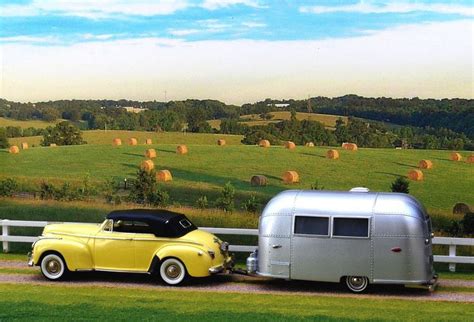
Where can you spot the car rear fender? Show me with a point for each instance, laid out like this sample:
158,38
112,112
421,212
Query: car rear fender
76,254
196,260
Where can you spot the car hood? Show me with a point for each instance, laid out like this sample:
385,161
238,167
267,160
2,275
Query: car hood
74,229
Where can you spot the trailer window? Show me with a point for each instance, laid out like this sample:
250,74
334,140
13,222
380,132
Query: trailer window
312,225
351,227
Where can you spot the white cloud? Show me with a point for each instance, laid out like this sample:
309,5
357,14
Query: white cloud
425,60
30,39
367,7
253,24
183,32
217,4
89,36
94,9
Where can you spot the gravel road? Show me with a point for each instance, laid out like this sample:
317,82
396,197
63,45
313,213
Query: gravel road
241,284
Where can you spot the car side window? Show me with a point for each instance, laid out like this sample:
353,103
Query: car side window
129,226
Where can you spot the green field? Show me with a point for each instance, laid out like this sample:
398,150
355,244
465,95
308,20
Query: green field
4,122
208,167
254,119
105,138
39,302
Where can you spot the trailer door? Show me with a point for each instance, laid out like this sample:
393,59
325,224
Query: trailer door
274,246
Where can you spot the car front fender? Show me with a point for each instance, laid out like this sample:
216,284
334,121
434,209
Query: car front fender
76,254
196,260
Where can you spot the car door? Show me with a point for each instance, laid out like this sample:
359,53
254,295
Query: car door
146,245
113,248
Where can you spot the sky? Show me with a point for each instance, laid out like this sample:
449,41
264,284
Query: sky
236,51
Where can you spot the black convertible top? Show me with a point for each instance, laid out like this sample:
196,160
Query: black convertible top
164,223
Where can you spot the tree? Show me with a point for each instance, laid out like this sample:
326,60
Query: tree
226,200
50,114
3,139
146,191
63,133
401,185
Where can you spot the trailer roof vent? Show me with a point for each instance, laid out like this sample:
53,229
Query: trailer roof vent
359,189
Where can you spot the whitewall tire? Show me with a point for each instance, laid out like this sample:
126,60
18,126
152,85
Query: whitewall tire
53,267
357,284
172,271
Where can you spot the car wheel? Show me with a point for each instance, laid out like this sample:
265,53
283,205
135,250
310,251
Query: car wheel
53,267
357,284
172,271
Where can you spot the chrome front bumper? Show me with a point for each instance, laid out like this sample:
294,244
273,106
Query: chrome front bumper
30,259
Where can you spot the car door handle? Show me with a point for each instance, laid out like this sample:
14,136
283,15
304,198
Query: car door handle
276,246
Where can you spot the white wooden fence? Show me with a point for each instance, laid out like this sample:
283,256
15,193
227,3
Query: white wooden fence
452,258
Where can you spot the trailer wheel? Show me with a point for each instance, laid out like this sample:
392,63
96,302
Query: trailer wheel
357,284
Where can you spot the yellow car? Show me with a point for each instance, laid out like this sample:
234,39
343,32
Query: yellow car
135,241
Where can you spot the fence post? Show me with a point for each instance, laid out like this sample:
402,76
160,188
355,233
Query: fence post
452,252
5,231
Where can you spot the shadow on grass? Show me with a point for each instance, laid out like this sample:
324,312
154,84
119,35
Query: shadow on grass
165,151
405,165
392,174
134,154
313,155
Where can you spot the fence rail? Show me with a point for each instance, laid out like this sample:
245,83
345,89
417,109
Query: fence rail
452,259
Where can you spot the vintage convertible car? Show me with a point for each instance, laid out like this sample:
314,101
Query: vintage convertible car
136,241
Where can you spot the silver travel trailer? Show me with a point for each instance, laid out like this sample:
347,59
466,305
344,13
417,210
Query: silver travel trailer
356,237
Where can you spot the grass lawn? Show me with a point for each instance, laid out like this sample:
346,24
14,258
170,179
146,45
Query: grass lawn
4,122
208,167
24,302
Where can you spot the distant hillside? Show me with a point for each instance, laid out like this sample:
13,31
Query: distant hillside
328,120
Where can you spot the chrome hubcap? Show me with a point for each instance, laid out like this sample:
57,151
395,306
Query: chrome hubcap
53,267
173,271
357,281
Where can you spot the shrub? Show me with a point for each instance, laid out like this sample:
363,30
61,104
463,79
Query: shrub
144,190
252,204
317,186
3,139
8,187
202,202
47,191
401,184
468,223
226,200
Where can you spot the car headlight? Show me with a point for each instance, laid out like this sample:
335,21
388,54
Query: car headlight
224,246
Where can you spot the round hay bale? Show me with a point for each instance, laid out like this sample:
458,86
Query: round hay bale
164,175
425,164
415,175
150,153
24,146
264,144
117,142
309,144
258,180
461,208
14,149
182,149
132,141
349,146
456,156
332,154
290,177
289,145
148,141
470,159
147,165
53,145
221,142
